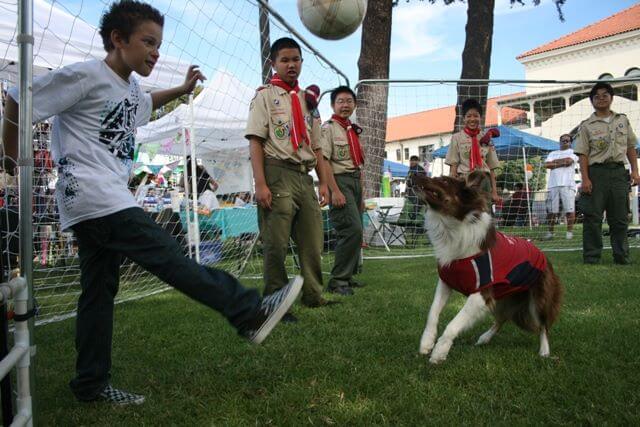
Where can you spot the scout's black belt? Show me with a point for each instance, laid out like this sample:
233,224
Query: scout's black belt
355,174
298,167
608,165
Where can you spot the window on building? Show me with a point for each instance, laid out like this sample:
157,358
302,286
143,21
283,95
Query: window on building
632,72
547,108
425,153
406,154
399,155
386,155
605,76
629,92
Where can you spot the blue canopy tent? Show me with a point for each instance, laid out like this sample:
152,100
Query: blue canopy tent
511,142
398,170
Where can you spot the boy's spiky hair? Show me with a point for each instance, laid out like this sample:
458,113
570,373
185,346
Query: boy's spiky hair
471,104
283,43
125,16
598,86
341,89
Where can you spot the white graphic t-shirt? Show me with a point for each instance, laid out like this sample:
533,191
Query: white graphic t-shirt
92,138
562,177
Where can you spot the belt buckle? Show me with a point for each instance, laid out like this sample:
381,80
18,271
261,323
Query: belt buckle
303,168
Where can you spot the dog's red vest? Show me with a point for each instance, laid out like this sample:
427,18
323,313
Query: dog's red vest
511,265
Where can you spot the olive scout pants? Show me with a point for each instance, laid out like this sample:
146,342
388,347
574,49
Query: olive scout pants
610,193
347,221
294,212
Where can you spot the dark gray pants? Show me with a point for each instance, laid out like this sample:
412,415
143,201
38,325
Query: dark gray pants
131,233
347,222
610,193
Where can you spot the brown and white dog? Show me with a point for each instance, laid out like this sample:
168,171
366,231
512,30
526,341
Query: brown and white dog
506,276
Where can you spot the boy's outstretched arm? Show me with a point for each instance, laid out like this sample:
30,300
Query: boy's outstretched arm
10,135
161,97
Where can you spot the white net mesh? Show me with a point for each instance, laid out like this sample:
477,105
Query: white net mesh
224,38
530,116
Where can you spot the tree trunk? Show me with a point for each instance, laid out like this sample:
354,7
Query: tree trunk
265,43
476,56
371,114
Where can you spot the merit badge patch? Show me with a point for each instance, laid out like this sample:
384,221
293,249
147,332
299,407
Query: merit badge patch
280,132
342,152
601,144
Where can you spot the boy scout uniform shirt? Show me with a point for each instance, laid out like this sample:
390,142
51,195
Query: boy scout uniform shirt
460,151
605,142
335,147
270,119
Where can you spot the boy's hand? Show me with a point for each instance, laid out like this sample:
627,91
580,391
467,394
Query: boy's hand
337,199
635,179
323,193
586,186
191,80
495,197
263,196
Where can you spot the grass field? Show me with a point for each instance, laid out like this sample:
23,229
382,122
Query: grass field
357,363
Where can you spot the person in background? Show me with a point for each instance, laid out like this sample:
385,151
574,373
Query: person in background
561,185
471,149
603,142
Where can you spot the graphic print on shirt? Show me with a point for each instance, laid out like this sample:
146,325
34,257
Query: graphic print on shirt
67,186
118,125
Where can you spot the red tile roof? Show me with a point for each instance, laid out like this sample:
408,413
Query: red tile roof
622,22
440,120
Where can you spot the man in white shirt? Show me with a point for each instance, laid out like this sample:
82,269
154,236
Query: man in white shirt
562,186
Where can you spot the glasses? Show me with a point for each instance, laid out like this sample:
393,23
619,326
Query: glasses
565,140
345,101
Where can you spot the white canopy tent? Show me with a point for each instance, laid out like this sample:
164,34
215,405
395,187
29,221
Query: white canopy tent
211,128
61,39
218,123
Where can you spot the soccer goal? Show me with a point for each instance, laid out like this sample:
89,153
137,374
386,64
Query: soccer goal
530,116
203,134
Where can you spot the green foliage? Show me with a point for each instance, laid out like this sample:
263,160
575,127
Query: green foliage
357,363
512,172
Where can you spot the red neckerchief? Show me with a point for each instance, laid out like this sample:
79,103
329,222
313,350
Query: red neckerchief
298,128
475,157
357,157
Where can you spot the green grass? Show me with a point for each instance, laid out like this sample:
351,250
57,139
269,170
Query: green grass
357,363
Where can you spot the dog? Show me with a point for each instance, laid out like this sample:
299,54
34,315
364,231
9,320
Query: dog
503,275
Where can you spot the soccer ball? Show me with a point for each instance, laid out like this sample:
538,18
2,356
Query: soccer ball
332,19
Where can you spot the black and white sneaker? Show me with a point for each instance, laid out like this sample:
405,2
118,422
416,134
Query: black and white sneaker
272,308
120,397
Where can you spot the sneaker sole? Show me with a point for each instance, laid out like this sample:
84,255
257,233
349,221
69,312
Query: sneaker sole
267,327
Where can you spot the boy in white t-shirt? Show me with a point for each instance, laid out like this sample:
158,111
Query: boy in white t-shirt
97,107
561,185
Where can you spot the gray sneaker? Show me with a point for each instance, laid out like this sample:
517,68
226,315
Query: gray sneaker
272,308
120,397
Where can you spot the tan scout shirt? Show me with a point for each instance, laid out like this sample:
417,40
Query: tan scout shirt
270,119
604,142
460,151
335,147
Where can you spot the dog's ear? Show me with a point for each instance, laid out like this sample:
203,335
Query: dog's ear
475,179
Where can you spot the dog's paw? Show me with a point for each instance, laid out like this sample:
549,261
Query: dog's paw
484,339
438,355
436,358
544,353
426,347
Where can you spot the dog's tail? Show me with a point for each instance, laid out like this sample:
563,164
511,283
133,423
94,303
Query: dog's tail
536,309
